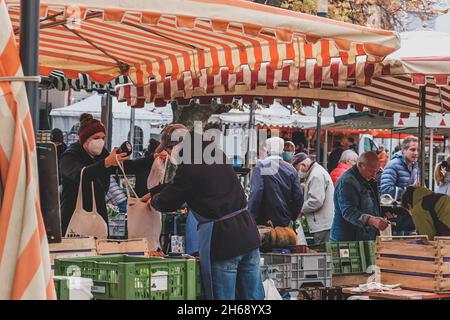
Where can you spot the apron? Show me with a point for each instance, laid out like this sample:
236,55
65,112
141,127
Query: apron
205,228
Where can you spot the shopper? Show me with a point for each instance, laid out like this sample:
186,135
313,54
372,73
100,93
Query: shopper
318,197
228,235
348,159
89,153
382,155
335,155
288,151
430,211
357,215
275,192
57,137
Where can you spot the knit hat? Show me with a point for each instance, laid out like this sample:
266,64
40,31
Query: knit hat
299,157
88,127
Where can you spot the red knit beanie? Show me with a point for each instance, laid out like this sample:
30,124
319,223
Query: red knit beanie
88,127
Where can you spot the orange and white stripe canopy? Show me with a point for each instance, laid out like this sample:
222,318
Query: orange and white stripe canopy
143,39
24,255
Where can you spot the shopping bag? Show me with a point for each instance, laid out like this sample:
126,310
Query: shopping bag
85,223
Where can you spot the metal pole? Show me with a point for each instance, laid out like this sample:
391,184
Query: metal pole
430,182
423,92
251,122
322,8
132,119
390,148
107,118
318,129
29,53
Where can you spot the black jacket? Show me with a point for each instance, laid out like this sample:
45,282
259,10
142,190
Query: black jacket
72,162
213,191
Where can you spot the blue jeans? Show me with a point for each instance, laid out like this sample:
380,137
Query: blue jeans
238,278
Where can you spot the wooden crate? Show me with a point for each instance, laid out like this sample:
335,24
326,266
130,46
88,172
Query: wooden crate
415,263
137,247
73,247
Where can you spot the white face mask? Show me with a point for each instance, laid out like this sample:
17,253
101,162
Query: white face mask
95,147
302,175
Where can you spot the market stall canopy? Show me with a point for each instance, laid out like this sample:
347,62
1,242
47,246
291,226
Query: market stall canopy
276,115
24,256
359,121
386,86
144,39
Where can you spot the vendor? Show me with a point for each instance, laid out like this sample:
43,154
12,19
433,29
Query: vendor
89,153
430,211
228,235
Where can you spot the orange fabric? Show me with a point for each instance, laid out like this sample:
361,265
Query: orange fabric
383,158
339,171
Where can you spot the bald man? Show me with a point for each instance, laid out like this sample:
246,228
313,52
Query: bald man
357,215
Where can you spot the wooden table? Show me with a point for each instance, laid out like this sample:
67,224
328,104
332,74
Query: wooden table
350,280
400,295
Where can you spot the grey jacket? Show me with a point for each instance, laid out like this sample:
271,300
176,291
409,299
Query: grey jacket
318,206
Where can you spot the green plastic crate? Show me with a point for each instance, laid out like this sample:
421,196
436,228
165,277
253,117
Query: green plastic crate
370,253
348,257
62,289
123,277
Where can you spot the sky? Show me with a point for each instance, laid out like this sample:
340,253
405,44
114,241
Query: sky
443,23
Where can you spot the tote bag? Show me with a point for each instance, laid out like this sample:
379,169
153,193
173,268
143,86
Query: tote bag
85,223
144,221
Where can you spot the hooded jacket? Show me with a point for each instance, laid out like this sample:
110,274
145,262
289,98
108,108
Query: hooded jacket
397,174
318,206
422,218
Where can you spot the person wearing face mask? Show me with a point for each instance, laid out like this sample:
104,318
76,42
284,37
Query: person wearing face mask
57,138
348,159
357,214
442,177
288,151
318,197
89,153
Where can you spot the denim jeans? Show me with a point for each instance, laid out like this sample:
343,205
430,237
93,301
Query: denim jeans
238,278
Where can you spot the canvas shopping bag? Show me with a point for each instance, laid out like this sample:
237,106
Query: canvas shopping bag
85,223
145,222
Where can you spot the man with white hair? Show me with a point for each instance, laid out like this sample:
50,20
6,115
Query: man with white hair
347,160
275,192
318,206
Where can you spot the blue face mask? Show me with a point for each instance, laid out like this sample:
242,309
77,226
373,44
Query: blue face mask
287,156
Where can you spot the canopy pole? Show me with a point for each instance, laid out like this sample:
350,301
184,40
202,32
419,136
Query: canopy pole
430,182
390,148
318,129
423,92
107,117
29,54
132,119
251,123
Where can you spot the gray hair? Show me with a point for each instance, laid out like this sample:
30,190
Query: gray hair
407,142
307,162
368,157
348,155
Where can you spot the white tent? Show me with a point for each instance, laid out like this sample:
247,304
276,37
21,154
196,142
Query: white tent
275,115
149,119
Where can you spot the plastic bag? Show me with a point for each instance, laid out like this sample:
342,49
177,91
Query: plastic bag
270,290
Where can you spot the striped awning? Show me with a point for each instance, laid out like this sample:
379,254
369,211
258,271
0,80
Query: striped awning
393,94
144,39
24,255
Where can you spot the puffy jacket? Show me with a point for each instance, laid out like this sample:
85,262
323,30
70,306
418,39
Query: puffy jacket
355,199
422,218
397,174
318,206
339,171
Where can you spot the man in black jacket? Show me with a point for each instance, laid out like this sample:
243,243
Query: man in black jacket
228,235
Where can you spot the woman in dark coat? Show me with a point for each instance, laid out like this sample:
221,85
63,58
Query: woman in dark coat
99,164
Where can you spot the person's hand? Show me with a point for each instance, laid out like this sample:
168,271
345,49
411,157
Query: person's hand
111,160
146,198
390,215
378,223
163,154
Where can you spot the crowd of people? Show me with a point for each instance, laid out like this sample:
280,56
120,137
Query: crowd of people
340,202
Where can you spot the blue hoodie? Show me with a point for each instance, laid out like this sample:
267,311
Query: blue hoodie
397,174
